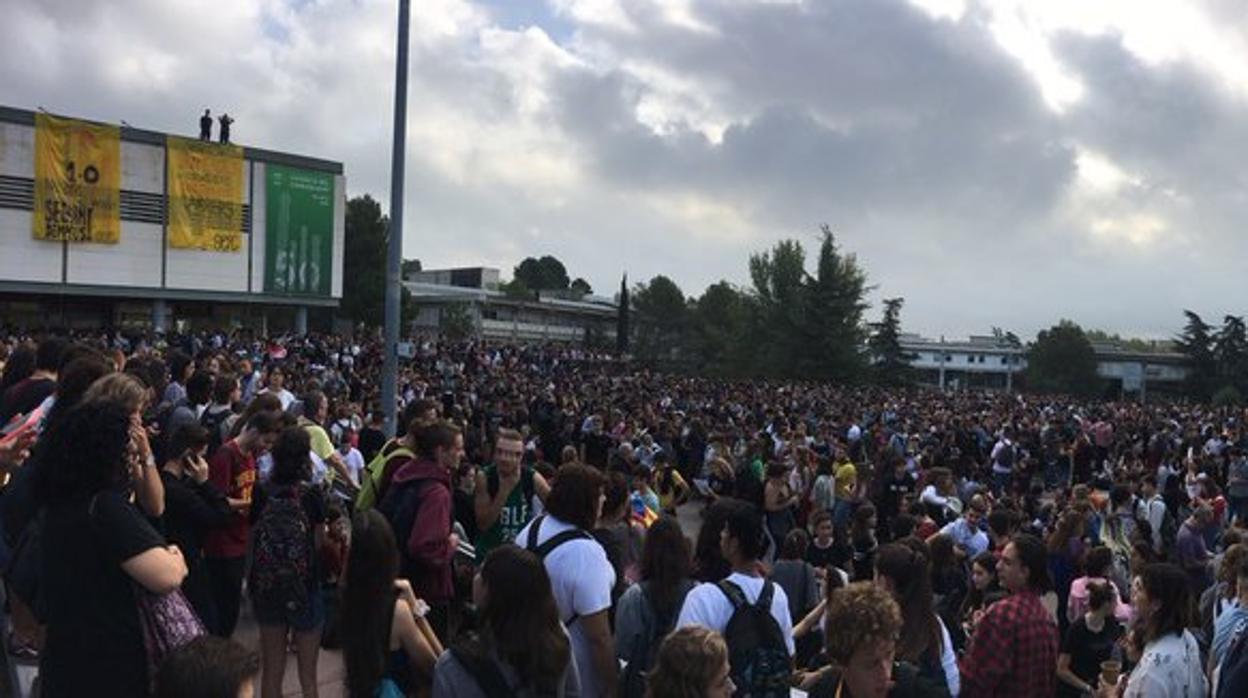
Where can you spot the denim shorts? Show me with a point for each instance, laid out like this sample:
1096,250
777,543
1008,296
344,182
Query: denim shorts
310,617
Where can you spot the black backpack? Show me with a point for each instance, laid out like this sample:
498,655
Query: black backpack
757,652
399,506
549,546
282,552
645,648
212,421
1005,457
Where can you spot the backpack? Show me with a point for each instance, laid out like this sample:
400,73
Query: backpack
212,421
645,646
399,506
372,487
485,672
1005,457
1169,530
757,653
282,553
551,544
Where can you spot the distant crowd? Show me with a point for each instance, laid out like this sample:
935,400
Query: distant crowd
521,534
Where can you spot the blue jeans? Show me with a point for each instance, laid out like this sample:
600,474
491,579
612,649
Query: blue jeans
842,510
1000,482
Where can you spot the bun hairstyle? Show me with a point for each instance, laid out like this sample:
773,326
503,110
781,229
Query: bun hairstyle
1100,594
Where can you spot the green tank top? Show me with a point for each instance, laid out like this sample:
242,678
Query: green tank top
514,516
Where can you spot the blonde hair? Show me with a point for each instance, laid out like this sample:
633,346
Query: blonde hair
120,388
688,661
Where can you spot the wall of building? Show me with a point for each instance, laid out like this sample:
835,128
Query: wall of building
141,260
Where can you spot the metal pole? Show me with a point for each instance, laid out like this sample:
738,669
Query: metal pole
394,257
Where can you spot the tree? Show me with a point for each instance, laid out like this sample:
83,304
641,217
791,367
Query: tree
517,289
1006,339
1127,343
622,313
718,328
890,363
581,287
407,311
455,322
661,314
364,262
837,302
1062,360
545,274
1230,350
409,266
1196,343
776,328
803,326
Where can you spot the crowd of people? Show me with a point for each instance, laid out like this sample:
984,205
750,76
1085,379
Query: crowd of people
521,534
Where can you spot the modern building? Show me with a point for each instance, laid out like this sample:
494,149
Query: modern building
991,362
120,226
472,297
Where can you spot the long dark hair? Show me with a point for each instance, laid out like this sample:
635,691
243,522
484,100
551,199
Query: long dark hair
975,598
520,620
264,402
709,562
291,463
905,563
665,563
87,452
1166,584
19,367
368,602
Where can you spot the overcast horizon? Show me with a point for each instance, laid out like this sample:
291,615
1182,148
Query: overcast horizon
995,162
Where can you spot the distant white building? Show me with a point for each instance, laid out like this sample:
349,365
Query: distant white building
986,361
562,317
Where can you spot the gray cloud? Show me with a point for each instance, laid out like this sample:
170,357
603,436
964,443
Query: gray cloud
662,148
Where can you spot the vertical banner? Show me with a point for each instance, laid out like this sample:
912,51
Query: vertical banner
299,231
205,195
77,180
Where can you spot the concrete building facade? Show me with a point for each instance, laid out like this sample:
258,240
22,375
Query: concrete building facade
142,280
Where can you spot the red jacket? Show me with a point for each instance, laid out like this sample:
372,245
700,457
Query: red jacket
428,544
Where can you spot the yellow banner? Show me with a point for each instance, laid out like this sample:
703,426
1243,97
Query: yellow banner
205,195
77,180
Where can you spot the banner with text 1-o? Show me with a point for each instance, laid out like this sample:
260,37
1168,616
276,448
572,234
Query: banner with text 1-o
299,231
77,180
205,195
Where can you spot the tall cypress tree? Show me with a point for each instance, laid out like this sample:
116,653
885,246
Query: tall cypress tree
621,318
891,362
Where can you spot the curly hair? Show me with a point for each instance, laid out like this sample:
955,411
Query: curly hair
86,451
858,615
291,462
687,663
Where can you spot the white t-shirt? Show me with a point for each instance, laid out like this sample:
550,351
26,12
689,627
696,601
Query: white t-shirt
581,578
354,460
1169,668
706,605
284,396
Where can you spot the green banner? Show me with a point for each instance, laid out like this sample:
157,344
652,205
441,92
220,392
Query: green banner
299,231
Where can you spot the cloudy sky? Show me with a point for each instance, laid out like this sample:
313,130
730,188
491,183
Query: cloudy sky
996,162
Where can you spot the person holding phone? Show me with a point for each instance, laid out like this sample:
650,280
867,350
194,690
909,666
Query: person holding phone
193,507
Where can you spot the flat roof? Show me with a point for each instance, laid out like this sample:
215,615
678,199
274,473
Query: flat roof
25,117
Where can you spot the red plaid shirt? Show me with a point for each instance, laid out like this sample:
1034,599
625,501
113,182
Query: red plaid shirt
1013,651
